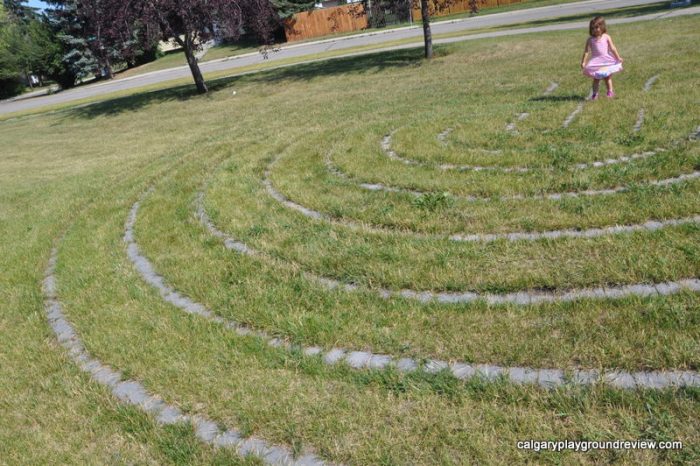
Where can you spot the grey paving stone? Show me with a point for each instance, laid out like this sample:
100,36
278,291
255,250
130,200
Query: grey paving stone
650,380
276,342
169,415
308,460
489,372
278,456
334,355
585,376
205,430
433,366
107,377
550,377
312,351
358,359
379,361
523,375
229,439
252,446
406,365
130,392
620,379
462,371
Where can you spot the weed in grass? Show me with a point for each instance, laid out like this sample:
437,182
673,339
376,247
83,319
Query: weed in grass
433,201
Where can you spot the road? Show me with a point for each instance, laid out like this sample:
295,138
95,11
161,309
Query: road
368,39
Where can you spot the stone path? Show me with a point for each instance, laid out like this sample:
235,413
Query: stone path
335,171
547,378
651,225
512,129
132,392
521,298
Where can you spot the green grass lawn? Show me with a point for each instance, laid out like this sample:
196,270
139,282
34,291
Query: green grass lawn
70,178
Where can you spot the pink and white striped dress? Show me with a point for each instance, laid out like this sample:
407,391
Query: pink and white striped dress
602,64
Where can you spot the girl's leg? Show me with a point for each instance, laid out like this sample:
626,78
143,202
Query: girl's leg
596,86
609,85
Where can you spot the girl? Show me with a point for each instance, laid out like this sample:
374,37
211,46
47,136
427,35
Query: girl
604,57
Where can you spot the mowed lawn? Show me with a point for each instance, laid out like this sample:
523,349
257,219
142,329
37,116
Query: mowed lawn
318,136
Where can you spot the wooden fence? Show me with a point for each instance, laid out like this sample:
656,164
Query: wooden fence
450,7
323,22
347,18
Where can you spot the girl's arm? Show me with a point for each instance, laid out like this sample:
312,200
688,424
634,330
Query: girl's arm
614,50
585,53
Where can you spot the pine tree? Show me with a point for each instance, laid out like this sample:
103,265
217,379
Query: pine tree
287,8
77,59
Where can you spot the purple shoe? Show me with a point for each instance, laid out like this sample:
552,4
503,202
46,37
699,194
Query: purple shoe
610,94
594,96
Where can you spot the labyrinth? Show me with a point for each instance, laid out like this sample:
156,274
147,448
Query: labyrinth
374,260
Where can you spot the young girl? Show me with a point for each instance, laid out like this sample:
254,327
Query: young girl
604,57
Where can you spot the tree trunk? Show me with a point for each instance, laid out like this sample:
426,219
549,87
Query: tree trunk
108,69
188,45
426,29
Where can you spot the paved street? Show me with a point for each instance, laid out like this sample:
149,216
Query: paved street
373,38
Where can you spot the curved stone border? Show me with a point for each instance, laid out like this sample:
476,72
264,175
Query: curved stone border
579,108
651,225
521,298
547,378
640,115
512,127
389,152
335,171
132,392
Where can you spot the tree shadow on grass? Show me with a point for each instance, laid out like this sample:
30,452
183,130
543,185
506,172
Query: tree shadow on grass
362,64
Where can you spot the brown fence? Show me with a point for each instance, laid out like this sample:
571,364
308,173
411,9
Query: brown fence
323,22
347,18
450,7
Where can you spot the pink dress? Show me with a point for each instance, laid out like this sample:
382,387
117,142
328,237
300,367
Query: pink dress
602,64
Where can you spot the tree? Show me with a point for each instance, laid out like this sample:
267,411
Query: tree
287,8
69,28
427,35
194,22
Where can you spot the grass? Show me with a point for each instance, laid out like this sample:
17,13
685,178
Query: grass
79,171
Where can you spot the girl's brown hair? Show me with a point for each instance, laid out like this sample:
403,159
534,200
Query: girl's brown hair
597,21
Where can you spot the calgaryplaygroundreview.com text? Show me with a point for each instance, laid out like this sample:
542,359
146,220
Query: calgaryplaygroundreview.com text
588,445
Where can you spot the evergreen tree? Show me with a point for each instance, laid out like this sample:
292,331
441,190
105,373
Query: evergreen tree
286,8
77,60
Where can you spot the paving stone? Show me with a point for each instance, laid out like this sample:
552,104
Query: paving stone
489,372
169,415
462,371
334,355
312,351
358,359
433,366
252,446
379,361
308,460
523,375
229,439
130,392
650,380
406,365
205,430
278,455
585,376
550,377
620,379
